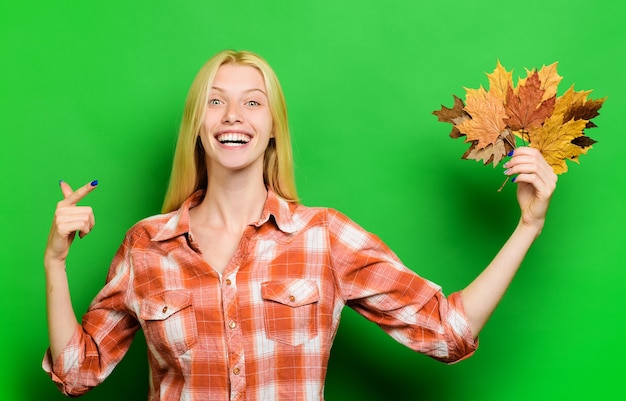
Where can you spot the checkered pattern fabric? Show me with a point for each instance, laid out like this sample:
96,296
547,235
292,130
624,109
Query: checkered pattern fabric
263,329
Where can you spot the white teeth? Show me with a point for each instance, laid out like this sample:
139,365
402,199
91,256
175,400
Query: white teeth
233,139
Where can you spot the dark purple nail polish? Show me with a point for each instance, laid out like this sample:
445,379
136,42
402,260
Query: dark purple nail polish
94,183
514,178
510,153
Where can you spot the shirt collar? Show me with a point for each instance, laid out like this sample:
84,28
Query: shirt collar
278,208
282,212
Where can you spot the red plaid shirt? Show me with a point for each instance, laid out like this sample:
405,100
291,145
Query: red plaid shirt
264,329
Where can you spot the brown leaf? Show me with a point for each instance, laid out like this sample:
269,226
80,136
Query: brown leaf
584,111
526,110
583,141
454,116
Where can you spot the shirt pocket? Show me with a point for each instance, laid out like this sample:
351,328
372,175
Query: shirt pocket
169,322
290,310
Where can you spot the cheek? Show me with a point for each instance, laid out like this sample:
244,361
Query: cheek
211,118
269,125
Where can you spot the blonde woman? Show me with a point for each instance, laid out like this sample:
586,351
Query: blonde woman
237,286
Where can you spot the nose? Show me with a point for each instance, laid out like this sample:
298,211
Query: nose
232,113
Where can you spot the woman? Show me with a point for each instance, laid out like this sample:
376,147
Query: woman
238,287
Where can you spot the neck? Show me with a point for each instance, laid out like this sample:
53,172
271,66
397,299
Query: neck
232,201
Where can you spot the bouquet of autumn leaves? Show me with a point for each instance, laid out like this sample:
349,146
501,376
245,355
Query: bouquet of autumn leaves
491,120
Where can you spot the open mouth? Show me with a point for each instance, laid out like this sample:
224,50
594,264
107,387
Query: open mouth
233,139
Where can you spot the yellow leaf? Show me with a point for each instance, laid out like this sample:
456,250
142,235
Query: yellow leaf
548,77
499,81
569,98
549,80
554,140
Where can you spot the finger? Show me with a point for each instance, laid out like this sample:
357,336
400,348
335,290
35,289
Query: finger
75,197
71,213
543,183
65,188
74,218
527,160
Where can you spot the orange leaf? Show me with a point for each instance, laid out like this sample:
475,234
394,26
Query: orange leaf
487,122
526,110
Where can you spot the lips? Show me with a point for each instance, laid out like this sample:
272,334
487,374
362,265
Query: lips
233,138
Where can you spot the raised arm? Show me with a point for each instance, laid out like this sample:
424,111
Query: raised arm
69,219
536,182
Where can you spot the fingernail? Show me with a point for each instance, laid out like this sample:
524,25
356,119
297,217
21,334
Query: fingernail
514,178
61,182
506,172
94,183
510,153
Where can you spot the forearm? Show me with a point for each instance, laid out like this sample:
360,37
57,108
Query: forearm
483,294
61,317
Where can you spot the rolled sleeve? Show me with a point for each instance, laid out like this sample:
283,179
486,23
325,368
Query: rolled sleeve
63,371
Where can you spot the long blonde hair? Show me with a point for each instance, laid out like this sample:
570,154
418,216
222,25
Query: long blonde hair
189,172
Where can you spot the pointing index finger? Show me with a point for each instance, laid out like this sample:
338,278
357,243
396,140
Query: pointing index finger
73,197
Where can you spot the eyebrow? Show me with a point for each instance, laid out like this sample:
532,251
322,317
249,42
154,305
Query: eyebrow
217,88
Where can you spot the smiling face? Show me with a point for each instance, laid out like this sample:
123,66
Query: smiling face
238,121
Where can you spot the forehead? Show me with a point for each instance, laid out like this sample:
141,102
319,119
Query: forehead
235,77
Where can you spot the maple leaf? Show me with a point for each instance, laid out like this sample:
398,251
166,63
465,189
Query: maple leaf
549,80
564,102
488,115
492,153
526,109
581,108
556,141
454,116
500,80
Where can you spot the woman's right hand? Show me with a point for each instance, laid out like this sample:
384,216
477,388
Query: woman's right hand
69,219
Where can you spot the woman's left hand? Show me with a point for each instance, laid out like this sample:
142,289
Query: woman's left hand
536,182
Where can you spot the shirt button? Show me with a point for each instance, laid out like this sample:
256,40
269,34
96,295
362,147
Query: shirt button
292,298
228,282
232,324
164,309
236,371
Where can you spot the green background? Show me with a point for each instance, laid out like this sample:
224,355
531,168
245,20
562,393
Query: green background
95,90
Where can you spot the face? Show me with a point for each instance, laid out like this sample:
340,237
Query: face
238,122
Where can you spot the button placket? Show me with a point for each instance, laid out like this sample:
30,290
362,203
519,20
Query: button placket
234,340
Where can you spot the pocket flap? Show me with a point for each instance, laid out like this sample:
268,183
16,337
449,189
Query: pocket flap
296,292
162,305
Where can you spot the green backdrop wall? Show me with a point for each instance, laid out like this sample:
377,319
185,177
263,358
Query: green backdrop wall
95,90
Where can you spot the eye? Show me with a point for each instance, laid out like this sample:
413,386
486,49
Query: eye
214,102
252,103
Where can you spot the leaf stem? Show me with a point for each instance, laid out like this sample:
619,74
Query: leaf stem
503,184
513,144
